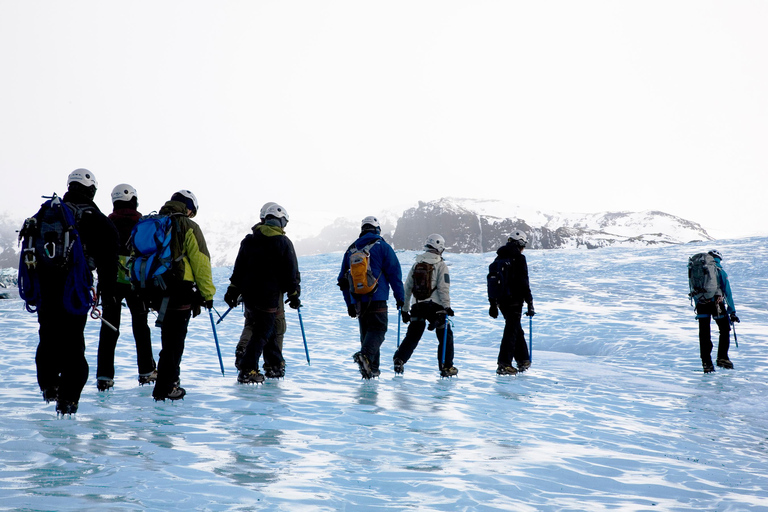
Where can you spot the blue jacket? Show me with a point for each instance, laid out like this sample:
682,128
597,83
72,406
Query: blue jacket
383,262
725,286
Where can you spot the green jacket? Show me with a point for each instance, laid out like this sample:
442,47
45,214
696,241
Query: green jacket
190,250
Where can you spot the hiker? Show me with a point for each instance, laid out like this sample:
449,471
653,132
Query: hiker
265,268
270,372
62,369
429,283
124,216
508,289
369,269
715,303
188,289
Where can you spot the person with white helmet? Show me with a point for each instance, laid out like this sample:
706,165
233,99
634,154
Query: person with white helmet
508,289
62,369
124,216
368,303
265,268
720,307
189,287
428,284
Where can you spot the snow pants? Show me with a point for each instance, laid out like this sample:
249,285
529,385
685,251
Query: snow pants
373,320
60,356
141,334
173,334
705,313
262,340
273,349
513,344
421,313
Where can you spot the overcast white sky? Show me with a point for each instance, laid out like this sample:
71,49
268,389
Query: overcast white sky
346,108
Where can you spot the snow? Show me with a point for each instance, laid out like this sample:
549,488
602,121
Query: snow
615,413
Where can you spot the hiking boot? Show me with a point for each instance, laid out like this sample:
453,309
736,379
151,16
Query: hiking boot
250,377
176,393
239,355
506,370
66,407
725,363
104,383
148,378
521,367
375,373
50,394
274,372
708,368
449,371
364,364
399,366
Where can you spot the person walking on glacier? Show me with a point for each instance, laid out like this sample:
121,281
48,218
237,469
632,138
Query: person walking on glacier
508,289
428,283
712,298
368,270
124,216
265,268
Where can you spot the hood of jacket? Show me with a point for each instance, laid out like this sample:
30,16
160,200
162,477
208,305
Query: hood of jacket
429,257
508,251
267,230
171,207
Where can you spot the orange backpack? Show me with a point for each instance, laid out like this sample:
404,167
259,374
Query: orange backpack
361,279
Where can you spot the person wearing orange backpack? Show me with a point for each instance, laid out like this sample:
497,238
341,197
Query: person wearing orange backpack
369,269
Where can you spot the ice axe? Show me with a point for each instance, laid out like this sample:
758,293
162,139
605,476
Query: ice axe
216,339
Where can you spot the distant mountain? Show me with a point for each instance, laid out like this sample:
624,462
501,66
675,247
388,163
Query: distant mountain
470,225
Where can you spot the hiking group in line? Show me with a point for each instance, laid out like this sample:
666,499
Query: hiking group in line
161,262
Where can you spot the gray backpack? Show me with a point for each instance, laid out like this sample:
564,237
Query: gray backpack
702,278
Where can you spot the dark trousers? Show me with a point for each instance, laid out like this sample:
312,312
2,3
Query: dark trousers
60,356
372,318
421,313
705,313
513,344
263,340
173,334
273,349
141,334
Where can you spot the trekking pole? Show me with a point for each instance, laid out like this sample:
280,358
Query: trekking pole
303,335
398,326
530,337
445,340
216,339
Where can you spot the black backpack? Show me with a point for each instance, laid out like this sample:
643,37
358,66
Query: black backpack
500,277
50,243
422,280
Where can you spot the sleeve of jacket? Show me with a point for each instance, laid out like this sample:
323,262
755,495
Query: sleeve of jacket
408,290
443,285
394,272
725,285
199,261
525,281
238,278
342,281
291,278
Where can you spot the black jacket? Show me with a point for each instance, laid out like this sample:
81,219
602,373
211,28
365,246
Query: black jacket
266,267
520,288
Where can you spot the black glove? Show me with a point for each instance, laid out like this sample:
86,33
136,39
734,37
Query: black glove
351,310
232,296
293,301
448,312
734,318
406,316
400,304
209,304
493,312
530,311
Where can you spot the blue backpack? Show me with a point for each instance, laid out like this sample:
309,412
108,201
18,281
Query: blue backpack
51,244
152,257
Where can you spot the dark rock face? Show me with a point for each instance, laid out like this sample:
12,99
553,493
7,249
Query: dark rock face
466,231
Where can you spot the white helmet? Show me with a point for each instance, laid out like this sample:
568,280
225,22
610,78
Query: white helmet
716,254
188,198
123,192
84,177
520,237
370,221
274,210
263,212
435,241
